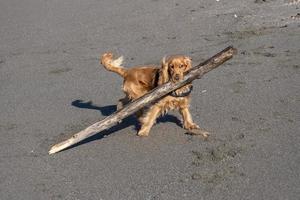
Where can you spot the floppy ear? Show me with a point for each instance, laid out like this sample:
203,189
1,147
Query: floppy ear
163,73
188,63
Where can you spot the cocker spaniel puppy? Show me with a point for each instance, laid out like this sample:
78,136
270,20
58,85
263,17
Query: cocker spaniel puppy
141,79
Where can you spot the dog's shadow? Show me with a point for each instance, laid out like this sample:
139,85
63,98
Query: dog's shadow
110,109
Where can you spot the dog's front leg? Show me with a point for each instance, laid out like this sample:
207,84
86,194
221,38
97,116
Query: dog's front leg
148,120
187,119
188,122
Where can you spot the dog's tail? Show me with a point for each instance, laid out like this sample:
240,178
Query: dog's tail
114,65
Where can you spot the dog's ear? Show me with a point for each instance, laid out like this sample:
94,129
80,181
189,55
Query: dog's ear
163,73
188,62
164,63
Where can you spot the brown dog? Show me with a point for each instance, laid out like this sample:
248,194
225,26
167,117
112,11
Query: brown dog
141,79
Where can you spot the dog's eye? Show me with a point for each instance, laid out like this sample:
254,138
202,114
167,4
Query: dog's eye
181,66
171,66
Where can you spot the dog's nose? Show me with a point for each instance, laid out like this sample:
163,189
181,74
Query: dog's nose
177,77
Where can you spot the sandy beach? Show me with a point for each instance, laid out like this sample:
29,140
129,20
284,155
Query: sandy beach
52,86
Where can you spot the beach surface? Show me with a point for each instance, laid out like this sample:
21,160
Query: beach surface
52,86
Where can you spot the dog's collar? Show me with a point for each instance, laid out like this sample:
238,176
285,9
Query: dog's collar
182,94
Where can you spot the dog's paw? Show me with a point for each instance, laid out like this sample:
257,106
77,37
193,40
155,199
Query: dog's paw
194,129
143,133
190,126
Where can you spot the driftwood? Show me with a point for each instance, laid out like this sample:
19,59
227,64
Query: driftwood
152,96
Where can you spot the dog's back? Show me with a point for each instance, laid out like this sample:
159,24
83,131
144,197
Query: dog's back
137,80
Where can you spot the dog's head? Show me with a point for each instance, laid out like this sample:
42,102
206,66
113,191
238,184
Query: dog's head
176,66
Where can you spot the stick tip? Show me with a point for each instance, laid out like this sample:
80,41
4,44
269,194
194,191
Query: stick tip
56,148
51,151
61,146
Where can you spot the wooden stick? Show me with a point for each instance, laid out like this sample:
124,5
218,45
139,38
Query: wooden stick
154,95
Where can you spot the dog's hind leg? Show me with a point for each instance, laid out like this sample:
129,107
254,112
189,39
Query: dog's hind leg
122,102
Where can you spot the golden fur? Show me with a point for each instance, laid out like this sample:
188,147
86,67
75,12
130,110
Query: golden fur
140,80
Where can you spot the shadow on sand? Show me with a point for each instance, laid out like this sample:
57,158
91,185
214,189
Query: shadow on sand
110,109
